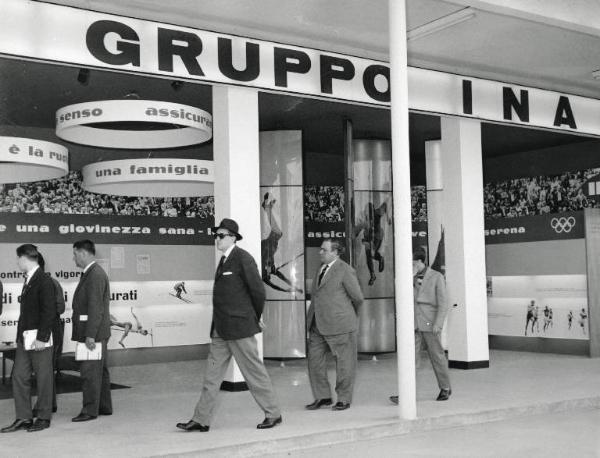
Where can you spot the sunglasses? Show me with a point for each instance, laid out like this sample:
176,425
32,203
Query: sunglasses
221,235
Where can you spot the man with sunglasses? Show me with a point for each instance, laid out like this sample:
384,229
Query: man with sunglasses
238,301
431,308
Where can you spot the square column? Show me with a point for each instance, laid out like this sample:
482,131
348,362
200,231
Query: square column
237,178
463,218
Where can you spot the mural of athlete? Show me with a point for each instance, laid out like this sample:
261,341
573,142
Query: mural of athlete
128,327
582,317
530,312
372,228
270,235
546,318
570,318
179,288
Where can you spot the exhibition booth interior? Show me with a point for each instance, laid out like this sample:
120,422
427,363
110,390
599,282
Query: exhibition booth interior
133,171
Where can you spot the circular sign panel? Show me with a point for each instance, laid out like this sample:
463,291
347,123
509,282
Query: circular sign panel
167,177
25,159
112,124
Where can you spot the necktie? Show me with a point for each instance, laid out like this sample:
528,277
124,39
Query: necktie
220,266
24,284
322,274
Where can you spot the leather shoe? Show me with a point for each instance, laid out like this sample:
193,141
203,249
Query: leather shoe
105,412
318,404
17,425
38,425
193,426
83,417
341,406
269,422
444,395
394,399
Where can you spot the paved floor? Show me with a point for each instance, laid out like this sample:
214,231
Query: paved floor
569,434
163,394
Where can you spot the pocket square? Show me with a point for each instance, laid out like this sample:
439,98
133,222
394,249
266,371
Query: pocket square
227,273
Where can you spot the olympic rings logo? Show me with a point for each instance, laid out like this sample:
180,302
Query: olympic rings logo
562,224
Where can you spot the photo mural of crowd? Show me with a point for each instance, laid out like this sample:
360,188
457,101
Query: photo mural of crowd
66,195
538,195
505,199
324,204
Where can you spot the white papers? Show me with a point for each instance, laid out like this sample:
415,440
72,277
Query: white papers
29,338
83,353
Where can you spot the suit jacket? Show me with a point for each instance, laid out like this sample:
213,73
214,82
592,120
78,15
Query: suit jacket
58,329
238,297
431,303
38,307
91,314
335,302
1,296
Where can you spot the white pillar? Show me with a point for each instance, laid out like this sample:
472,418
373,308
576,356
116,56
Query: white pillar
465,244
237,178
407,404
435,188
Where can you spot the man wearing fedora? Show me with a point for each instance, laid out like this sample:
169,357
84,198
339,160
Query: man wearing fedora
238,301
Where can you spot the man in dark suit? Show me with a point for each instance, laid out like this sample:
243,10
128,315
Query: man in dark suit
431,308
333,325
58,330
238,301
91,326
38,311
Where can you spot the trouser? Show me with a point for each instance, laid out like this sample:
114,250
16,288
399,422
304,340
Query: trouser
96,384
58,332
27,362
345,351
245,352
436,354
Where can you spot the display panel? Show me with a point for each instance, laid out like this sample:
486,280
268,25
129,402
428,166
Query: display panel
551,306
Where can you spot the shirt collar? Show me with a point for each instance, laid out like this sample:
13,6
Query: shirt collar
228,251
330,264
31,272
86,268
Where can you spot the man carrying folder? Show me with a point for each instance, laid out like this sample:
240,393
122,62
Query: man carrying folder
34,346
91,327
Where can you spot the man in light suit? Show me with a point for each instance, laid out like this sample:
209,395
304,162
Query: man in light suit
37,314
91,326
431,308
238,301
333,326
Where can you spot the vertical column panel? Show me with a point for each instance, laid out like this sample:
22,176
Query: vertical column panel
464,243
373,244
592,248
435,205
282,243
236,157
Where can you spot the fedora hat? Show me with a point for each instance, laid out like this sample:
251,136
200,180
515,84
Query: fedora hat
230,225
